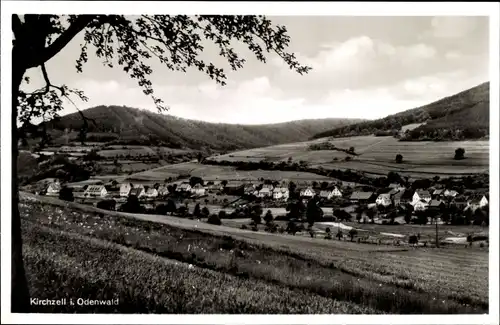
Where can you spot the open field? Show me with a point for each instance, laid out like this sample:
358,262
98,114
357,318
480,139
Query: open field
212,173
377,155
90,268
381,278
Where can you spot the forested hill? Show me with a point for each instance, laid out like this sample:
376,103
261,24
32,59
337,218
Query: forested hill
129,125
462,116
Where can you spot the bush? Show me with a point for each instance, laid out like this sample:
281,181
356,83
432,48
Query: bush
352,233
66,194
107,205
459,153
399,158
214,220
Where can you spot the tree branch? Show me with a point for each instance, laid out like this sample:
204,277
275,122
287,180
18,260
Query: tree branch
77,26
17,27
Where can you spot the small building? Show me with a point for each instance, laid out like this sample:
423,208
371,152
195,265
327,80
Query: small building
420,195
54,188
361,197
269,186
450,193
184,187
125,189
476,202
436,204
329,194
281,193
96,191
163,190
384,199
198,190
438,194
420,205
151,193
137,192
264,192
307,193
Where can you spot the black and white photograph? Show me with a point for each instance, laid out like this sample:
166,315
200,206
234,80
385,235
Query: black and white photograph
239,159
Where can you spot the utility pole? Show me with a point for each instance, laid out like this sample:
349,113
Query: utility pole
437,240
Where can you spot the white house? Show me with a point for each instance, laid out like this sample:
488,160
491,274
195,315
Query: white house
420,195
281,193
163,190
54,188
95,191
328,194
384,199
308,192
268,186
125,189
264,192
451,193
198,189
476,202
184,187
151,193
420,205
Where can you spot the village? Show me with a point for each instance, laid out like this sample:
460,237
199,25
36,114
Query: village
345,201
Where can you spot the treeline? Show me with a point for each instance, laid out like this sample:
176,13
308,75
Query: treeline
444,132
344,175
330,146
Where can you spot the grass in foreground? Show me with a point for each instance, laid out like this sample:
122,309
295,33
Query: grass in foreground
66,265
377,289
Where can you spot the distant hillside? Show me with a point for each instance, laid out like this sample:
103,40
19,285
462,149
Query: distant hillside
461,116
130,125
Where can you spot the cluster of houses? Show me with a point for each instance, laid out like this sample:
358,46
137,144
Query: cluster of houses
124,190
421,199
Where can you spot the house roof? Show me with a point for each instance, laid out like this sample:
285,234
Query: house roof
451,193
475,199
435,203
394,185
280,189
151,190
95,188
386,195
198,186
55,186
324,193
438,192
184,185
361,195
265,189
423,193
136,191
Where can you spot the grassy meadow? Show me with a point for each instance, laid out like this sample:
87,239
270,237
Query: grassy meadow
377,156
144,260
212,173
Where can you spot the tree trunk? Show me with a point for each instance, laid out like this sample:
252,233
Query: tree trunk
19,290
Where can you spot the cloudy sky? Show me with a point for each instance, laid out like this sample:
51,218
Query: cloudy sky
363,67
